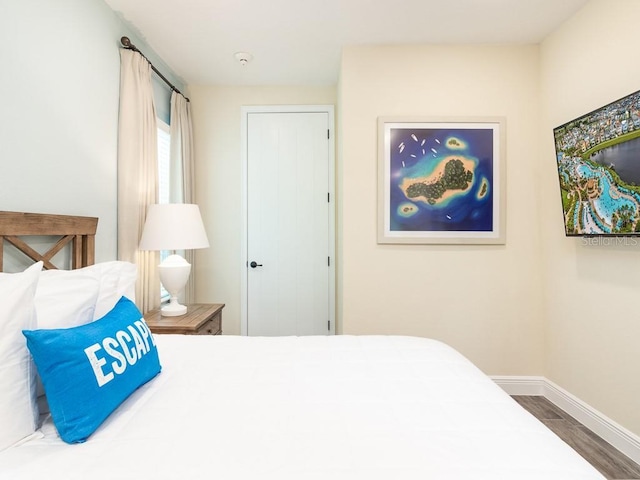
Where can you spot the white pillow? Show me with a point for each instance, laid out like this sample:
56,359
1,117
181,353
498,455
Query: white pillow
66,298
18,411
117,279
71,298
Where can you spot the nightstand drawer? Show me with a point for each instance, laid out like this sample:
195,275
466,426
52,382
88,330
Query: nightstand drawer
212,327
200,319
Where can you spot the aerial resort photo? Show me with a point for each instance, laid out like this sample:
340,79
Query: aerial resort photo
598,158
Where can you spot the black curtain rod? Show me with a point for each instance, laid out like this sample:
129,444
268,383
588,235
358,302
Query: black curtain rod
126,43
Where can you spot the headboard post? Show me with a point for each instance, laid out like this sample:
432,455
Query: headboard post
79,231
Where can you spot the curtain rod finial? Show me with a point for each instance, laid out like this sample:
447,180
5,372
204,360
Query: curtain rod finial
125,42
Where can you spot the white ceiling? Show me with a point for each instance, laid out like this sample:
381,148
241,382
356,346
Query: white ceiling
298,42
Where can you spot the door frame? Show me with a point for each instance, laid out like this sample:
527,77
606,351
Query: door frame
244,270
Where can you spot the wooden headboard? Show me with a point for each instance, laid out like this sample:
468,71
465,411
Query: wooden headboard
79,232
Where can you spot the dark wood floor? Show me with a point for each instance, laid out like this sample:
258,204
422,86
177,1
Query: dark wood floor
609,461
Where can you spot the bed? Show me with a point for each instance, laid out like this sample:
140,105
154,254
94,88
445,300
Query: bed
334,407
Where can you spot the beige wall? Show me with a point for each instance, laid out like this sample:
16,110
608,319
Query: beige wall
483,300
217,132
593,326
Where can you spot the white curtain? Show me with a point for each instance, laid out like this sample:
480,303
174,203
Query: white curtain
137,172
182,170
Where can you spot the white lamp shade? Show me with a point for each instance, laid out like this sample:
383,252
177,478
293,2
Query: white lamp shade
173,226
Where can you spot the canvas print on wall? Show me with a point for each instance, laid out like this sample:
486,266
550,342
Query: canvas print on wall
441,180
598,157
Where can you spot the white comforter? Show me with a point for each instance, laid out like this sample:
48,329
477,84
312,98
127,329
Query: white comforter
338,407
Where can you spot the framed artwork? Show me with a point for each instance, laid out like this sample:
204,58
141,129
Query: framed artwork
441,180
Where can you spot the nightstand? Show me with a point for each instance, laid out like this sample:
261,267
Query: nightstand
200,319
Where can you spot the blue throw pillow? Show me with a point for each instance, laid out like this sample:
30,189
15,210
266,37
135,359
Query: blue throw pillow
88,371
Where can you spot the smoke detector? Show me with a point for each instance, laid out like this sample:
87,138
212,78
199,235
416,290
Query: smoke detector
243,58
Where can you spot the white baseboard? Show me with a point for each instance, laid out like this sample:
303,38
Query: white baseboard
618,436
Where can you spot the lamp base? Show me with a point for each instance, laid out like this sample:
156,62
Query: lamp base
173,309
174,273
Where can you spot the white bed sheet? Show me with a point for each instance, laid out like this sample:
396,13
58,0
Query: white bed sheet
340,407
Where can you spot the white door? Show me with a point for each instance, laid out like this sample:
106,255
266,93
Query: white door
289,264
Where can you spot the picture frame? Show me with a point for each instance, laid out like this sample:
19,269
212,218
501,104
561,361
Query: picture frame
441,180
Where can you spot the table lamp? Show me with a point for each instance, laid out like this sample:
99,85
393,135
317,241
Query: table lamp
173,226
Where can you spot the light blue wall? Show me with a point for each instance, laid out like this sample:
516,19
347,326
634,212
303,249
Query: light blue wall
59,110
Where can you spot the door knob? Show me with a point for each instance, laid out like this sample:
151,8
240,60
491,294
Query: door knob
254,264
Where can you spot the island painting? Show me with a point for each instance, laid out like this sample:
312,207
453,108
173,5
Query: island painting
440,181
598,156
